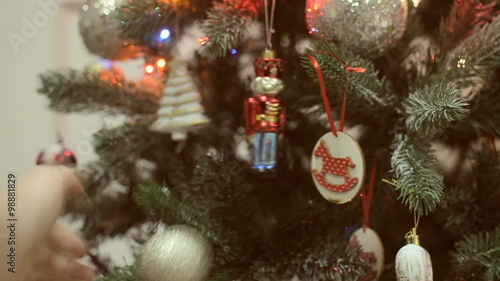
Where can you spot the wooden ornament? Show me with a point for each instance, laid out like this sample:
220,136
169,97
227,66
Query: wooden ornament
337,167
180,108
413,263
373,251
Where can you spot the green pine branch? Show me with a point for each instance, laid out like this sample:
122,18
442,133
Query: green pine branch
226,274
477,257
366,91
472,205
226,23
125,141
416,170
485,110
142,20
74,91
434,108
475,59
219,183
328,258
459,210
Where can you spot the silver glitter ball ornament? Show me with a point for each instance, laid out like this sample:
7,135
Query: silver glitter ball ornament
179,253
100,30
366,27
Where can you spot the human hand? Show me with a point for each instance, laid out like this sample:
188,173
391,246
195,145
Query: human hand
45,251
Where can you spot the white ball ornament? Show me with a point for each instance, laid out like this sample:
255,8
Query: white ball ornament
179,253
413,263
366,27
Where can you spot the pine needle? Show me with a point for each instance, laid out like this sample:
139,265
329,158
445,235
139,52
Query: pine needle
76,91
477,257
226,23
416,170
433,109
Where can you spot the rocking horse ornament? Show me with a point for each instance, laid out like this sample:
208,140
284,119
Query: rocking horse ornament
337,167
337,164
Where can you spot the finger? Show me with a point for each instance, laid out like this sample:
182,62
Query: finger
51,266
64,176
42,193
65,242
82,273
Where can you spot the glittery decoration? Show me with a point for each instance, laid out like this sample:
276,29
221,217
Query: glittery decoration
336,167
179,253
367,27
100,30
267,85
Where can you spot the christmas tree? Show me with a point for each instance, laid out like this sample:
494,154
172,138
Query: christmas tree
249,194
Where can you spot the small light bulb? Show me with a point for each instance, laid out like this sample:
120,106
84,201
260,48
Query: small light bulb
164,35
149,69
161,63
203,40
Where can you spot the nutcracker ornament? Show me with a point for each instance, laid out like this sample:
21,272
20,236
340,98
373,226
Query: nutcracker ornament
265,112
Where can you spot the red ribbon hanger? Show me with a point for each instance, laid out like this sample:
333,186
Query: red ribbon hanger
366,196
325,96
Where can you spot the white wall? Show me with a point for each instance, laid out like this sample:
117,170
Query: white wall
42,35
25,123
